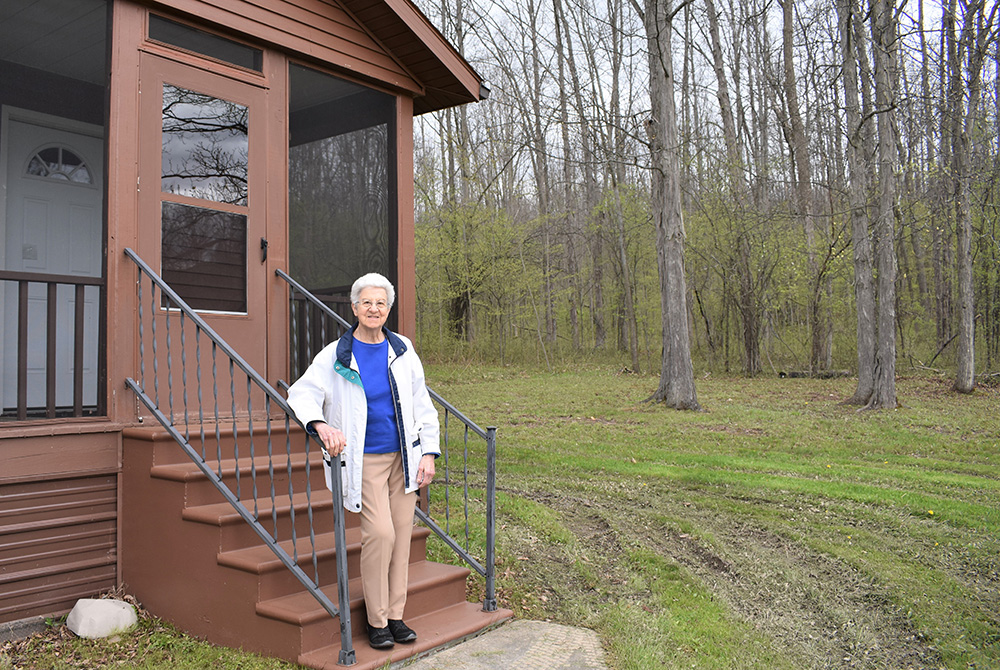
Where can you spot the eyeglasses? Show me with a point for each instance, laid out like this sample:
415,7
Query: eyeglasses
381,305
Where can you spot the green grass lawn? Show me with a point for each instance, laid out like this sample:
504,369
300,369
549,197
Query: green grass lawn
776,529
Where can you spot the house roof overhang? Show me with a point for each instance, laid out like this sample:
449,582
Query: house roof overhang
407,52
446,77
385,41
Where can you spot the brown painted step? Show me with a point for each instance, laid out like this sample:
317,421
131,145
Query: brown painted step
276,581
181,537
434,629
166,451
200,491
237,534
433,588
430,585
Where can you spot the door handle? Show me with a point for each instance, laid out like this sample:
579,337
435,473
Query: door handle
263,249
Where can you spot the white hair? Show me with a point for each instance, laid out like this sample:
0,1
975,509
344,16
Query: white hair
373,280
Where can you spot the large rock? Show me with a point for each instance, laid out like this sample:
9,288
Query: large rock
100,618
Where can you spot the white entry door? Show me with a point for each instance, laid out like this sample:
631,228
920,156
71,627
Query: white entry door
51,225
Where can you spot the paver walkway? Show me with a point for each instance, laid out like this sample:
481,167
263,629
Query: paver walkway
520,645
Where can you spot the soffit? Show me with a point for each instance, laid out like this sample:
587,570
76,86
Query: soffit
447,77
65,37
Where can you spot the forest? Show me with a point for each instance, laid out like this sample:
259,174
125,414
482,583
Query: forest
742,188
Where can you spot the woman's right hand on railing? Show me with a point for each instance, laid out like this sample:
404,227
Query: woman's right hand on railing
333,440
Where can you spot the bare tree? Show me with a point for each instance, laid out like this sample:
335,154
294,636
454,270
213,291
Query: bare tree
589,178
561,154
864,288
801,164
570,209
978,30
748,303
676,387
884,40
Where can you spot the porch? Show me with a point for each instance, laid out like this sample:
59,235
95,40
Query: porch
222,144
223,521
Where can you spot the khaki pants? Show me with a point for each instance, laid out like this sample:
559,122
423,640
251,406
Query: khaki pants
386,526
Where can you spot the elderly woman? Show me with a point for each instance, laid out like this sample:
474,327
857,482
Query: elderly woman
364,397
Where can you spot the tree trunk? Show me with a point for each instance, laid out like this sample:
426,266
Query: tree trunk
884,39
540,162
630,327
976,32
570,208
940,204
589,185
748,307
688,102
926,120
676,387
864,288
799,146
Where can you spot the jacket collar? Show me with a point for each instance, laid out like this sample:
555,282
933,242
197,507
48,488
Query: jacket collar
345,346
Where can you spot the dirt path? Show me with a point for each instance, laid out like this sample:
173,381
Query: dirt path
825,613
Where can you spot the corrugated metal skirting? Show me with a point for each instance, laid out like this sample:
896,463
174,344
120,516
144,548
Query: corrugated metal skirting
57,543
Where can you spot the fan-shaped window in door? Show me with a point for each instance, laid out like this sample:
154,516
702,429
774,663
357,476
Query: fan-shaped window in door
61,164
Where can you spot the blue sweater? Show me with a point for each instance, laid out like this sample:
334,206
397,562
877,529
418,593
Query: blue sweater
381,433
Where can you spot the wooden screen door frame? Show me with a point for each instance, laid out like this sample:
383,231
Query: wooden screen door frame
248,333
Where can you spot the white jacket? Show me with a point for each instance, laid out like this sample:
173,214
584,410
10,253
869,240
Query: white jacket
330,390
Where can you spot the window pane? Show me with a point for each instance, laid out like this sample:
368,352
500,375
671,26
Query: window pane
61,164
341,188
204,256
205,146
206,44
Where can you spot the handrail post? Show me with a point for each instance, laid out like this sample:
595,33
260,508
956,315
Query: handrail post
490,601
347,656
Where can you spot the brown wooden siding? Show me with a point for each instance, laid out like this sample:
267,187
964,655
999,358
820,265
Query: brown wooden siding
57,542
321,30
58,448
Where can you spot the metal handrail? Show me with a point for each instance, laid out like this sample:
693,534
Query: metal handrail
489,435
272,399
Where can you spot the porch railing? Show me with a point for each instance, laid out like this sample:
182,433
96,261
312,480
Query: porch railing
313,325
181,361
33,341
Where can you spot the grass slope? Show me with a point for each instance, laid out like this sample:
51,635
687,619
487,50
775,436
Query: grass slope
777,529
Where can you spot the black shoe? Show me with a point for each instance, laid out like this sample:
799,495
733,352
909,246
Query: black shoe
380,638
400,631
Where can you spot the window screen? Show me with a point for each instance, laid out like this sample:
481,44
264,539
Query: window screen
341,181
